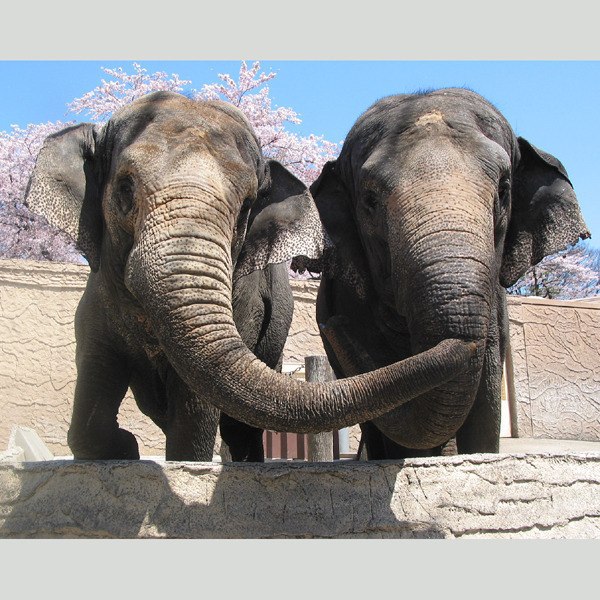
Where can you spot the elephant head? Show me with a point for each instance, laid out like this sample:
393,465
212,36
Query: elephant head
170,202
434,206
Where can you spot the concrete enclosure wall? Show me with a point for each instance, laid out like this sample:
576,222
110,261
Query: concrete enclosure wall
553,368
38,301
474,496
553,375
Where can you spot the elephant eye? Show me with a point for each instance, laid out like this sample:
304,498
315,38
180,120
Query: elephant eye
125,195
504,191
370,199
503,197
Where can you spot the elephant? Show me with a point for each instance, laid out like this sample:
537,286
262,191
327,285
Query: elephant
434,207
187,228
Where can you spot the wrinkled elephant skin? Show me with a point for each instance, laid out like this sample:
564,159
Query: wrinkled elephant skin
434,207
187,228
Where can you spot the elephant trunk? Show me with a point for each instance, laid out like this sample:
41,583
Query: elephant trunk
442,270
180,270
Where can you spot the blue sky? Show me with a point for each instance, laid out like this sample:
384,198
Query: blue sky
551,103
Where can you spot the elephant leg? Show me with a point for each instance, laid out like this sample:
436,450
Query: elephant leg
150,393
263,307
191,427
481,430
189,423
244,441
102,380
372,439
380,447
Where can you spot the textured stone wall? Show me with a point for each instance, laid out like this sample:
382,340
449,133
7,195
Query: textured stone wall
37,347
304,338
555,364
37,361
554,393
37,365
475,496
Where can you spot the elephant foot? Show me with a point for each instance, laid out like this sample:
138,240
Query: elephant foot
121,445
450,448
126,448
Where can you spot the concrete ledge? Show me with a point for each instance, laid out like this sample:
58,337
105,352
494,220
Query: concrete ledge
481,495
541,445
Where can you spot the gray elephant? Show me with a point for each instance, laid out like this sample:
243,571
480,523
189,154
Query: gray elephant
186,228
434,207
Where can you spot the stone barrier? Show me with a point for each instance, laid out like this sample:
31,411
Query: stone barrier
476,496
553,368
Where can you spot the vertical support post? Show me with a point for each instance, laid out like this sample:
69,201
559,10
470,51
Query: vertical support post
509,380
301,445
320,445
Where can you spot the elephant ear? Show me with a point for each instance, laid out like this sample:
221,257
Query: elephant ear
344,260
545,215
64,188
284,224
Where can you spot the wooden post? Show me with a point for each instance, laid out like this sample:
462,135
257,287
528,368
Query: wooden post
320,445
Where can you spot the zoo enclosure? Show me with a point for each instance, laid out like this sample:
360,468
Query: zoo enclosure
552,375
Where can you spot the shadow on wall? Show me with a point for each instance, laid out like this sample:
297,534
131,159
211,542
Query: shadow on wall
146,499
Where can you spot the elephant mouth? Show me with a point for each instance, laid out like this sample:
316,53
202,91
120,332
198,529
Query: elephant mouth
435,417
431,419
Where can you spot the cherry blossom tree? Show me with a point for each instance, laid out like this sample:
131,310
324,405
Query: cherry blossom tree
104,100
573,273
304,156
26,235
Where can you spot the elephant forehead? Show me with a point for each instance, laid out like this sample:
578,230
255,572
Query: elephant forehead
160,162
434,116
440,158
433,161
436,182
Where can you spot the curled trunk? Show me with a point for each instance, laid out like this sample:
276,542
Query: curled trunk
181,274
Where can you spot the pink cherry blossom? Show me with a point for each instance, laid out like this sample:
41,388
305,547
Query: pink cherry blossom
22,233
26,235
573,273
104,100
303,156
